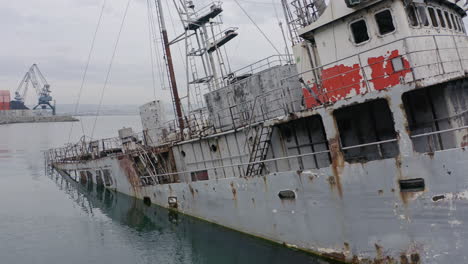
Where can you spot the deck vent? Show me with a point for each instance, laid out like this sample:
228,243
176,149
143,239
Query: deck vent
412,185
287,195
172,201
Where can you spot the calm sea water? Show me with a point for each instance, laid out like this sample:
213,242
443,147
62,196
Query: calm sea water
45,219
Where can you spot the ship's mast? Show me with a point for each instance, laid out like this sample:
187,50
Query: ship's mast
170,67
205,62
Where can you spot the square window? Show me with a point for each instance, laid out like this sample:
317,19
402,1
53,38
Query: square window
384,21
359,31
367,131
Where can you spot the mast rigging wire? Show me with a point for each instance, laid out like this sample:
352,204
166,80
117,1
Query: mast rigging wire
259,29
161,68
110,66
86,71
150,36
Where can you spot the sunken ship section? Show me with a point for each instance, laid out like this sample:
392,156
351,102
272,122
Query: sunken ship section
355,153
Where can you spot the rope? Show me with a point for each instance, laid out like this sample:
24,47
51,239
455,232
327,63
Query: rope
259,29
110,66
86,72
159,64
150,36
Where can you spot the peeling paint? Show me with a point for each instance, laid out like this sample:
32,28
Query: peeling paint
383,75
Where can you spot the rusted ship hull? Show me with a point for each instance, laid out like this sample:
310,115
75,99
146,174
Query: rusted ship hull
357,215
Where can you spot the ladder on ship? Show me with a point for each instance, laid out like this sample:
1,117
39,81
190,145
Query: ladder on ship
149,166
259,150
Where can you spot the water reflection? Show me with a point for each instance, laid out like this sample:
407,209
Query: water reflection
162,236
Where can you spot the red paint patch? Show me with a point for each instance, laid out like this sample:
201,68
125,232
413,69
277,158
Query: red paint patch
309,99
338,82
341,81
383,75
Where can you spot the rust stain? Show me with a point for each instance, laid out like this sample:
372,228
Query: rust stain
337,164
404,259
464,143
415,258
346,247
234,191
379,251
191,190
335,256
127,165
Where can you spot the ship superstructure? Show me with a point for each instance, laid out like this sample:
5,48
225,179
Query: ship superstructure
353,150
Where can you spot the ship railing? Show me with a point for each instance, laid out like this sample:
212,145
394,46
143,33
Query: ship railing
240,166
204,10
271,104
231,117
418,59
256,67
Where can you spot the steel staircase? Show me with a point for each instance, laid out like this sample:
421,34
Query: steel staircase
259,150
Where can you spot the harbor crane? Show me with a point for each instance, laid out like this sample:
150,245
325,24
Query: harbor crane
35,78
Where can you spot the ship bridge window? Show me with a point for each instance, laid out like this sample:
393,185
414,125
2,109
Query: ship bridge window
359,31
423,15
384,21
454,22
306,139
367,131
413,18
438,116
461,24
441,18
447,17
433,17
458,23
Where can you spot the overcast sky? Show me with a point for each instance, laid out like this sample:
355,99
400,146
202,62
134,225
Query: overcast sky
57,35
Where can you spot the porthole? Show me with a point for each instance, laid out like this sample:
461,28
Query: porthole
214,148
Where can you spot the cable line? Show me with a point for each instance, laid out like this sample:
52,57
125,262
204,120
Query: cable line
110,67
259,29
86,71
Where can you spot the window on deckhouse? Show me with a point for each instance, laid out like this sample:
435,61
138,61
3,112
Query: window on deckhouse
306,139
454,22
423,15
433,17
384,21
438,116
441,18
367,131
413,18
359,31
447,17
